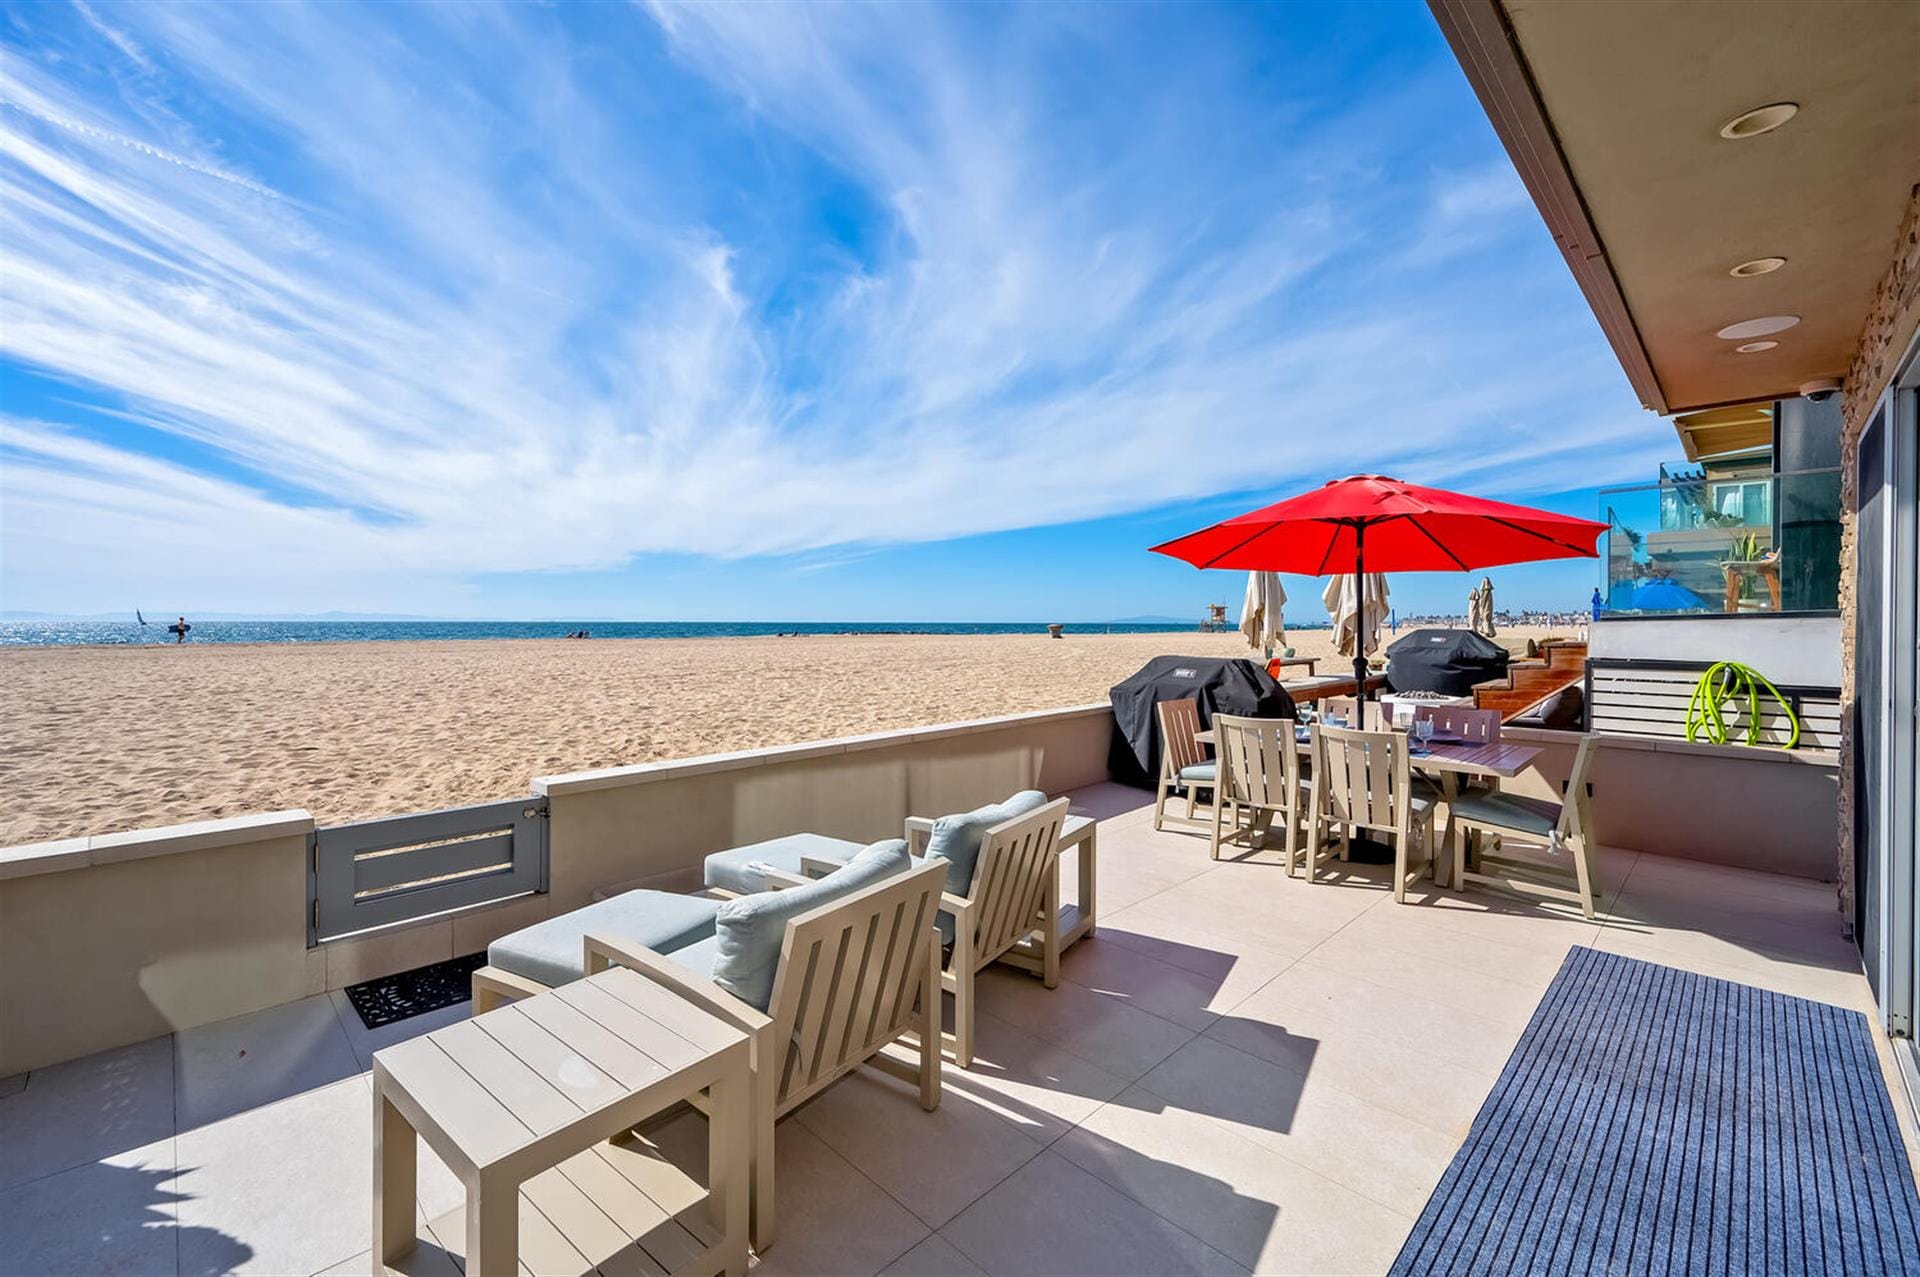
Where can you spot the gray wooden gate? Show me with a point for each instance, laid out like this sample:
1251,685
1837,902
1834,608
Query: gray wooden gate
374,873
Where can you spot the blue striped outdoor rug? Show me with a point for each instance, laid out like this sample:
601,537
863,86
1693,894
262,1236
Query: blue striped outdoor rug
1657,1121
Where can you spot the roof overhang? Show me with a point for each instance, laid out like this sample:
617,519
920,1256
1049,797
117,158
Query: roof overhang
1612,113
1717,432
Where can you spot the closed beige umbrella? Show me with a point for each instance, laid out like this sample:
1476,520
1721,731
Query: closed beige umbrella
1262,612
1482,617
1353,634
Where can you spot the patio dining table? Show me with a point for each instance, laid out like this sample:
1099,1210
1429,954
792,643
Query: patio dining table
1448,765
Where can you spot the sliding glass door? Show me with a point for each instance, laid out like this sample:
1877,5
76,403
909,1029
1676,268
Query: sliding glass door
1903,735
1870,693
1886,714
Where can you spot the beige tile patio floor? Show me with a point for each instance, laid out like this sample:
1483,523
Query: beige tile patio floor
1239,1072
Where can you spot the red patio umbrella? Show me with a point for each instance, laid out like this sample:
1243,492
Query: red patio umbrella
1368,522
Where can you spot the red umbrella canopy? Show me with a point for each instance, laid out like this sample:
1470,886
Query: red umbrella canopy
1408,528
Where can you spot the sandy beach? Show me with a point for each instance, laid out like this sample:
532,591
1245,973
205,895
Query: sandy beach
99,739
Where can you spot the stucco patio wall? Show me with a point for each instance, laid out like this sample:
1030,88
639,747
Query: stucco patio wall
652,825
111,939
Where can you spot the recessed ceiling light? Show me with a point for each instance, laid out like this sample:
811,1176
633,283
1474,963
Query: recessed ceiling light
1765,326
1758,266
1755,347
1762,119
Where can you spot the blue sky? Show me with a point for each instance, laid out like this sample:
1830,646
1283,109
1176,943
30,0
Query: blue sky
802,312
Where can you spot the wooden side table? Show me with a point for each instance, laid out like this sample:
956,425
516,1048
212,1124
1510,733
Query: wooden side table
523,1095
1074,920
1077,919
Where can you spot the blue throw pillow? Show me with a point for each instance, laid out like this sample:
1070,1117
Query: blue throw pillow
957,839
748,930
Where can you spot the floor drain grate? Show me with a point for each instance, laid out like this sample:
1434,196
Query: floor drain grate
406,994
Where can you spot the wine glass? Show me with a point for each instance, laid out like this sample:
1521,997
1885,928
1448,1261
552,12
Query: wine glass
1423,730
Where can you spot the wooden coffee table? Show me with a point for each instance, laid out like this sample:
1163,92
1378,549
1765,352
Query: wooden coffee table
520,1104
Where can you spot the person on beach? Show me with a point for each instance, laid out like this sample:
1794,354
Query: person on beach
180,629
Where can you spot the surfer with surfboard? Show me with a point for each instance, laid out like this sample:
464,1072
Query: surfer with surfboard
179,630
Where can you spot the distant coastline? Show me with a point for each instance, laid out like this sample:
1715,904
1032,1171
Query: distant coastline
113,633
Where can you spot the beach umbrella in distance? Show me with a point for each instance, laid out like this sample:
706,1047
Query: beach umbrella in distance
1354,634
1263,612
1371,521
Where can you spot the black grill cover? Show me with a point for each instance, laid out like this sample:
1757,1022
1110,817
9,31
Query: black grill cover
1445,661
1227,687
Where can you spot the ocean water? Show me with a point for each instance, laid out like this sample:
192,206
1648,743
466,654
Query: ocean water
77,633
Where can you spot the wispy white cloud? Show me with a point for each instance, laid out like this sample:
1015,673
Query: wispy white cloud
119,39
1467,211
428,293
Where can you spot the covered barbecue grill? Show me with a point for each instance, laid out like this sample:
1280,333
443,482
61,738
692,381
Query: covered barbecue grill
1219,686
1446,661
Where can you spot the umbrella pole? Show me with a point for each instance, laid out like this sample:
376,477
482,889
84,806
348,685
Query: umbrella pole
1360,627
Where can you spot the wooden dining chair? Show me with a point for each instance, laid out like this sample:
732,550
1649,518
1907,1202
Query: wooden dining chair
1341,707
1364,781
1184,764
1261,779
1557,838
1475,726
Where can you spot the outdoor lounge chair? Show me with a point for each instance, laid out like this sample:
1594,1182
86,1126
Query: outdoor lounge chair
1009,907
740,870
821,972
1001,902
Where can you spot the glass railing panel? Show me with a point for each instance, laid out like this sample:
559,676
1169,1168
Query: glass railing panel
1735,545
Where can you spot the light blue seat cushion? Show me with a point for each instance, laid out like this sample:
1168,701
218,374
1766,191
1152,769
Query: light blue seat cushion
551,951
957,839
749,929
699,957
733,870
1510,811
1199,771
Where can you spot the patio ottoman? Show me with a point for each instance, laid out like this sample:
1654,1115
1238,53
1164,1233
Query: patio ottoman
732,870
552,952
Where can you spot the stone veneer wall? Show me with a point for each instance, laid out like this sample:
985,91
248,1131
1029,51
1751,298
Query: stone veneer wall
1890,325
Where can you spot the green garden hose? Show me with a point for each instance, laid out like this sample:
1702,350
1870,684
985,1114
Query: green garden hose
1731,681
